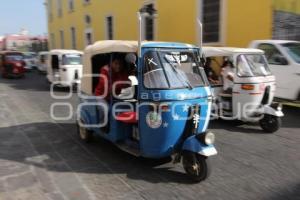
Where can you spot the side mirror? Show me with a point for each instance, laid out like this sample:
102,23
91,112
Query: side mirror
281,60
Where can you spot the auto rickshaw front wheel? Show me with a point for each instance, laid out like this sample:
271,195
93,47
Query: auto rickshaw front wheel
84,134
196,166
270,123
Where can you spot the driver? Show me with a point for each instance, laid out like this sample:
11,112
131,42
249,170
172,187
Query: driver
227,75
211,75
118,73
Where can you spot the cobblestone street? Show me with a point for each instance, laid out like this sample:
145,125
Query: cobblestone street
44,159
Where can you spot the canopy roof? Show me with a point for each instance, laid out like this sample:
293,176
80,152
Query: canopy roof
110,46
228,51
275,41
65,51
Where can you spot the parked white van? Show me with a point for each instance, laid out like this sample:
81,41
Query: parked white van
64,67
284,60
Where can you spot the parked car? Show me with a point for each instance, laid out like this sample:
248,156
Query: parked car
284,59
42,61
30,59
12,64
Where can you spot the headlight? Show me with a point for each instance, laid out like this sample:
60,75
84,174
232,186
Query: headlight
279,107
209,138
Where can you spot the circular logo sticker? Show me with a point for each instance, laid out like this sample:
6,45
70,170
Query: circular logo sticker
153,120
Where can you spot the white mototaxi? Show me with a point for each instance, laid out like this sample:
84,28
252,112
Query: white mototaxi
253,87
64,67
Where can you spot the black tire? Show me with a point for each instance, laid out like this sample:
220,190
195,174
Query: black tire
196,166
84,134
270,123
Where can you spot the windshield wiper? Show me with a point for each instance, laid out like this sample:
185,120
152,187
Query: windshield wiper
180,75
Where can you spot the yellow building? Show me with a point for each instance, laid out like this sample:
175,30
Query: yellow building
286,23
73,24
292,6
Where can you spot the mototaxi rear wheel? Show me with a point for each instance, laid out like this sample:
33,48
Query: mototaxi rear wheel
83,133
270,123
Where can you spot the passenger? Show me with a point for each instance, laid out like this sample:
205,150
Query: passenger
211,75
227,75
118,74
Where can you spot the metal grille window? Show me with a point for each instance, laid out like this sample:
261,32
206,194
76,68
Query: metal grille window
73,37
62,39
49,9
109,28
88,37
286,26
149,25
71,5
59,8
211,20
52,37
86,2
88,20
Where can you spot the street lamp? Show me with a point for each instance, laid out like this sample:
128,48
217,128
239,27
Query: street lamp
148,11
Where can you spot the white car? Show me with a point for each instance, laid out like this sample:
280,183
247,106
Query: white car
284,60
30,58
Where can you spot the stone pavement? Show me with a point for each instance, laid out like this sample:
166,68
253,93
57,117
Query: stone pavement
44,159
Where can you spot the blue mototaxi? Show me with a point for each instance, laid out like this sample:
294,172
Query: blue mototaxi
164,112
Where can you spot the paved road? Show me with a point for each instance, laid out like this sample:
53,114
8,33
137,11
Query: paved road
43,159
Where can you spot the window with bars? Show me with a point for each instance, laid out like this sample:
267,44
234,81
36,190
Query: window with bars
49,9
73,37
286,26
59,8
211,16
62,39
85,2
53,42
109,28
88,37
71,5
87,20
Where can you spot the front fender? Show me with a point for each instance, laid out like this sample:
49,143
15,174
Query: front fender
194,145
271,111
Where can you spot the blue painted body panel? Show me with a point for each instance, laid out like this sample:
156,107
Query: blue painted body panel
192,144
